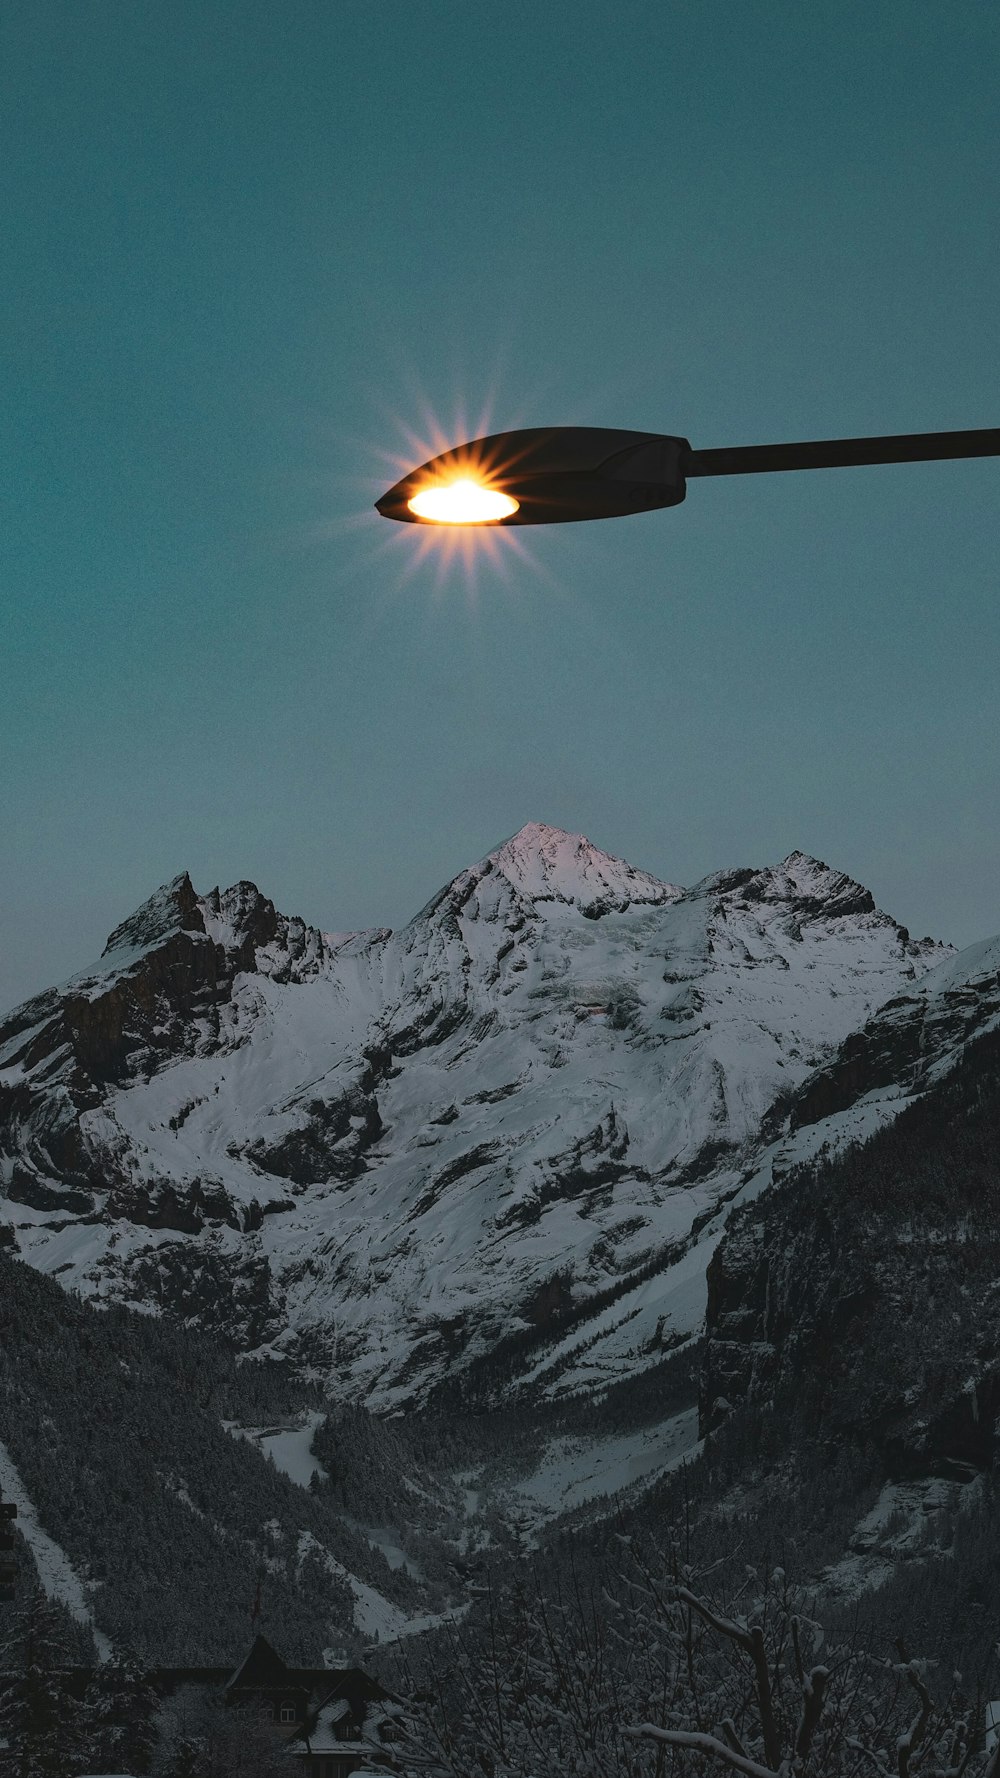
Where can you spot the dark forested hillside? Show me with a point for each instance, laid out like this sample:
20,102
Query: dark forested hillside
850,1388
867,1288
114,1423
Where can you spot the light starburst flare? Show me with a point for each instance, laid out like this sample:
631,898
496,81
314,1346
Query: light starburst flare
461,502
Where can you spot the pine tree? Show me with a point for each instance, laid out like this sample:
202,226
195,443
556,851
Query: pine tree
200,1738
180,1746
39,1722
119,1709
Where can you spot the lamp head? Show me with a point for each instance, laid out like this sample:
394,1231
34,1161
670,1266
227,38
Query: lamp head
542,476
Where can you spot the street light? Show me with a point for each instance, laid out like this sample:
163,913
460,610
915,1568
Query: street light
551,475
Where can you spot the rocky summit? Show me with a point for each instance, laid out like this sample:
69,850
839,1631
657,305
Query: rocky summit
493,1151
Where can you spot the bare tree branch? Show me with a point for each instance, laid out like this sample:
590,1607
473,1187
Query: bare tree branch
726,1626
701,1744
729,1731
813,1694
907,1744
772,1747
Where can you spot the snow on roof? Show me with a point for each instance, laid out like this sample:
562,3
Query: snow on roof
322,1738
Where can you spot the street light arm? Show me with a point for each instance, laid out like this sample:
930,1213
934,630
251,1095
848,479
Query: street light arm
548,475
843,453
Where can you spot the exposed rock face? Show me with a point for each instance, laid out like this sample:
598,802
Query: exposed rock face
865,1291
174,908
528,1106
911,1037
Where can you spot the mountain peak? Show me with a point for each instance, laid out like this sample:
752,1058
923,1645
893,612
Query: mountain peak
240,913
815,887
547,864
174,907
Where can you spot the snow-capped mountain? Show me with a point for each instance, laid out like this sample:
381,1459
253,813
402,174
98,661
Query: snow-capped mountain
497,1143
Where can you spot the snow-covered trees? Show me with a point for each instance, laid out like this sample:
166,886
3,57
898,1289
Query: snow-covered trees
643,1673
781,1712
198,1737
41,1733
119,1706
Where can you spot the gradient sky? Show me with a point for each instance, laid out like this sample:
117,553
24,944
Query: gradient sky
260,257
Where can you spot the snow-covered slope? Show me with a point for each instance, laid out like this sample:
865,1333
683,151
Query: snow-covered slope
58,1578
484,1144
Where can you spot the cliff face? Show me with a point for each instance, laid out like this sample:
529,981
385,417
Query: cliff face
865,1292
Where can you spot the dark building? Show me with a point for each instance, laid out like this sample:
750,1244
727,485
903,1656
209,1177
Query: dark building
329,1714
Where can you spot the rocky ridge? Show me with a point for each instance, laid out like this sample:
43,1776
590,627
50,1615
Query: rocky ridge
499,1143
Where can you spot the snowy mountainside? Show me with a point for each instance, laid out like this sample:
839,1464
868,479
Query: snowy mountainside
484,1145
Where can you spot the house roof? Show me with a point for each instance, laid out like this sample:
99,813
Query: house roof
263,1666
354,1684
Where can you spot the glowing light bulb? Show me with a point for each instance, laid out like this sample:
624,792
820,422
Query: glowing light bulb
461,503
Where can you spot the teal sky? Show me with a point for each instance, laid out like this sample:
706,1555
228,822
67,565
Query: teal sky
253,251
